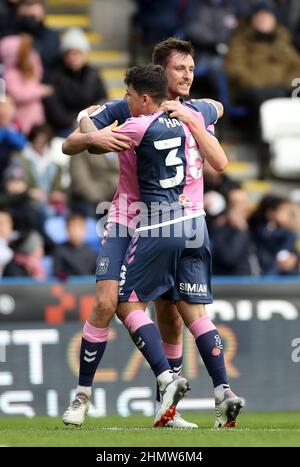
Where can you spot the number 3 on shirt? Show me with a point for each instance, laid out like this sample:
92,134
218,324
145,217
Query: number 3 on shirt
173,160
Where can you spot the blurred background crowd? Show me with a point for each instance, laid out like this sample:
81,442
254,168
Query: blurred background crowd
53,64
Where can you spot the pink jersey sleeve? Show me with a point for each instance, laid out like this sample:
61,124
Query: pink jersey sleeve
135,128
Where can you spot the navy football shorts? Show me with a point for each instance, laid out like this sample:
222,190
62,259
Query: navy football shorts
113,247
178,263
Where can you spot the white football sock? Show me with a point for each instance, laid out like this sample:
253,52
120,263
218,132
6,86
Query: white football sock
87,390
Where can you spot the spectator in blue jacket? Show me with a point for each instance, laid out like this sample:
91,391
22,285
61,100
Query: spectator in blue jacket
273,226
11,138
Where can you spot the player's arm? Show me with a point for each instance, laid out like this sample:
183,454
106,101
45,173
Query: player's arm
88,137
209,146
133,128
218,105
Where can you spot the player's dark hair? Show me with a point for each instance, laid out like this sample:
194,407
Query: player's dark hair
148,79
164,49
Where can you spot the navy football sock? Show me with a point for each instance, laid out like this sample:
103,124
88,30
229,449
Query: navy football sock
146,337
210,347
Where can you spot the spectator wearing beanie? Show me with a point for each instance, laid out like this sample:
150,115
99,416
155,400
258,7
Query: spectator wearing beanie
77,84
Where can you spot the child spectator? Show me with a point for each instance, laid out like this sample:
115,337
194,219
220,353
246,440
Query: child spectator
74,258
23,73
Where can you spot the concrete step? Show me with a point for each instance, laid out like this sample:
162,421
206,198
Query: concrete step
114,73
68,6
114,79
241,170
109,58
257,189
66,21
95,38
115,93
67,3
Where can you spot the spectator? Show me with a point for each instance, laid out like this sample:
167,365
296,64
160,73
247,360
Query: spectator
31,20
262,62
11,139
93,179
74,258
6,233
42,174
26,262
152,22
232,247
16,198
77,85
209,25
216,187
23,73
8,16
273,229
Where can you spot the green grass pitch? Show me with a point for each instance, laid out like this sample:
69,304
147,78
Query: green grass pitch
255,429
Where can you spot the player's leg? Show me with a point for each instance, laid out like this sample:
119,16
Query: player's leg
145,279
95,330
146,337
93,344
170,326
192,292
211,349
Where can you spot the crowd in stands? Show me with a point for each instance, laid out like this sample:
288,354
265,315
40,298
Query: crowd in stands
247,50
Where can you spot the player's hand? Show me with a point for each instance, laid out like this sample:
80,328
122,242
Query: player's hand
111,141
177,110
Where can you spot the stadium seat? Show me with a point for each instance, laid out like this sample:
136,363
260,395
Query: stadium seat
280,126
48,265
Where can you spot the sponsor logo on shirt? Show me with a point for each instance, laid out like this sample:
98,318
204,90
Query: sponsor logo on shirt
193,289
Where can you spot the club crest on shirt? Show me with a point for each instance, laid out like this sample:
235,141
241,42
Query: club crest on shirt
183,200
102,266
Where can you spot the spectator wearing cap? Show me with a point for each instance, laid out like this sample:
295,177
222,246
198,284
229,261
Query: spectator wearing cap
77,84
262,62
26,262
